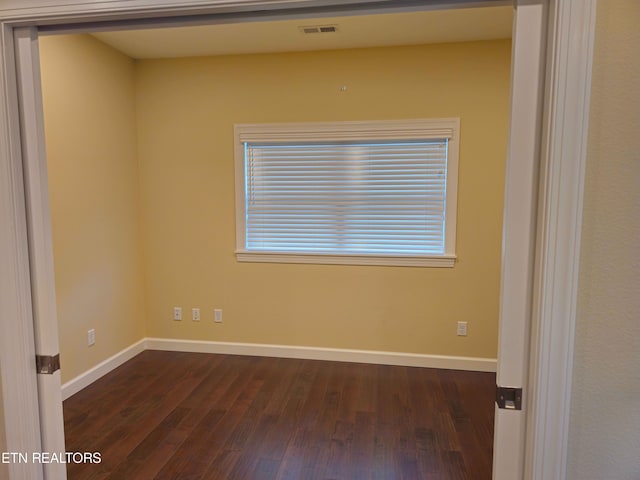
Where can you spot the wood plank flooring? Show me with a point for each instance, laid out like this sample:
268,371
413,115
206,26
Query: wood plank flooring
168,415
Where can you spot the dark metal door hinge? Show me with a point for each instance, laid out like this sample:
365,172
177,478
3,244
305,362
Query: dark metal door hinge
47,364
509,398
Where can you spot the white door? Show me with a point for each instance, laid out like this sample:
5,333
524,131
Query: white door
40,248
519,234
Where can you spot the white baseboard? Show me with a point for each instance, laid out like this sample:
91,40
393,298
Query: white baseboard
330,354
87,378
475,364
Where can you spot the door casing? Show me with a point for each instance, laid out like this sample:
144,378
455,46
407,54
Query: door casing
546,268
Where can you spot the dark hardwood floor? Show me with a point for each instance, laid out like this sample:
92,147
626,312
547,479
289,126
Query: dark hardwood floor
170,415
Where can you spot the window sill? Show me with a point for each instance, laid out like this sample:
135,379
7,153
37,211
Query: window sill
446,261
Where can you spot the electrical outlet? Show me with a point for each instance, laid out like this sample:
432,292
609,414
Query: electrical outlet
462,329
177,313
91,337
217,315
195,314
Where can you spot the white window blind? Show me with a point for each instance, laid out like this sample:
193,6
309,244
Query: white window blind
348,197
363,198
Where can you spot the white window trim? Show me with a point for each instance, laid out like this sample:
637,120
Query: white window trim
351,131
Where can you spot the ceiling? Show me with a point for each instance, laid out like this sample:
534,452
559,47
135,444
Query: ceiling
361,31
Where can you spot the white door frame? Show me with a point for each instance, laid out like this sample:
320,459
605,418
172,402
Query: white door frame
563,152
547,300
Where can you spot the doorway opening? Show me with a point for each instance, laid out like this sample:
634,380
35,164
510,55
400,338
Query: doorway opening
139,135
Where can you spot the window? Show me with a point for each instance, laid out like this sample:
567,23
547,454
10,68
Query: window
372,193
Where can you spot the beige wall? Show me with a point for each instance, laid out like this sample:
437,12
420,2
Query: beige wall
142,198
89,111
186,109
4,468
604,434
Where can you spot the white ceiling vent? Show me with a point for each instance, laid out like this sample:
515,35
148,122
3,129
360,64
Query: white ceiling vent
311,29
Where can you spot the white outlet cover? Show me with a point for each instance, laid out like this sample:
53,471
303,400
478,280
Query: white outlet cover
195,314
177,313
462,329
217,315
91,337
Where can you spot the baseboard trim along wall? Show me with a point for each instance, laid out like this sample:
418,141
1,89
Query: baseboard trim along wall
87,378
330,354
283,351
